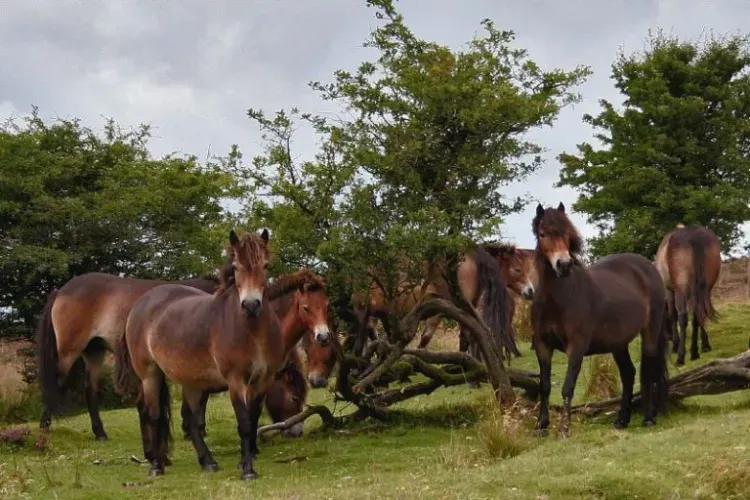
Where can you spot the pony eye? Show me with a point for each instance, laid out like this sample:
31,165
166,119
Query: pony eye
305,308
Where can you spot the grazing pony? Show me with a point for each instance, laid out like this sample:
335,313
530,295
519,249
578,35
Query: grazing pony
597,310
301,304
689,261
206,344
86,318
480,283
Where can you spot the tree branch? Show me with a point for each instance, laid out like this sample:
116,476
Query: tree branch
325,415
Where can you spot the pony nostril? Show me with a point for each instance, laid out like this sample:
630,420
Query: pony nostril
252,306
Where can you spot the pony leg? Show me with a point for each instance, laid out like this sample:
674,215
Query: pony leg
682,320
575,360
627,376
694,354
256,408
157,412
238,393
705,344
194,399
94,358
199,413
544,357
430,326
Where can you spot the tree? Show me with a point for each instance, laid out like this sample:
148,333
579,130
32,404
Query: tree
73,202
414,167
676,151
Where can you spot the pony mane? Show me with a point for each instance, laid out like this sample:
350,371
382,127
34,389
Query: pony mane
559,222
499,248
288,283
254,247
293,368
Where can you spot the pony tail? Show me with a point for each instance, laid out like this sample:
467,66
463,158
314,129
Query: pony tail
700,297
47,362
127,383
495,306
164,424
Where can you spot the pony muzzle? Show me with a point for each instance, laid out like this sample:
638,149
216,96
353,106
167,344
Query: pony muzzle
322,335
317,380
252,307
295,431
563,267
527,292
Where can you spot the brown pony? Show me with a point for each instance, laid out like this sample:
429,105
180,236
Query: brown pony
86,318
518,272
301,304
593,311
480,283
689,261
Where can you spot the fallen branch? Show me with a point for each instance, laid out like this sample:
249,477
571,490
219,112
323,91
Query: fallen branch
715,377
325,415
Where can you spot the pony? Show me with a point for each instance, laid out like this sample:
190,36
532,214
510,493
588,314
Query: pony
480,283
207,343
689,262
301,304
86,318
597,310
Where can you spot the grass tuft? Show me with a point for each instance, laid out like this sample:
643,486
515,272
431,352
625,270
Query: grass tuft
603,377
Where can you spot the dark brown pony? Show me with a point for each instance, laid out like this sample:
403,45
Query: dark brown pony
480,283
301,304
689,261
229,341
86,318
593,311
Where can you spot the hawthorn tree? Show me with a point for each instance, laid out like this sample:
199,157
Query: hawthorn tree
72,201
413,166
676,151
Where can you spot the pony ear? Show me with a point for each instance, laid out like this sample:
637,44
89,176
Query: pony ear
561,207
233,239
264,235
539,210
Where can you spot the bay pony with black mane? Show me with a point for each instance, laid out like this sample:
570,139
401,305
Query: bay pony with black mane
480,283
85,318
598,310
689,261
301,304
206,343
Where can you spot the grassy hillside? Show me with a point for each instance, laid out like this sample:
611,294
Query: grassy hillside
442,446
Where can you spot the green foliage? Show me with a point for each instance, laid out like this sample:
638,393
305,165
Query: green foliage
415,164
676,151
72,201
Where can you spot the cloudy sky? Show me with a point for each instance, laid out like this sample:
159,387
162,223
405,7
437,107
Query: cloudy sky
193,72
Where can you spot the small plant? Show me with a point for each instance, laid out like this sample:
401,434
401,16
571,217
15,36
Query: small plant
503,433
604,381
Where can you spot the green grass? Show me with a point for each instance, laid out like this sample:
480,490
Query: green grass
446,445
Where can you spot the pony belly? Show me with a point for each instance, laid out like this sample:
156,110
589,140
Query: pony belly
194,375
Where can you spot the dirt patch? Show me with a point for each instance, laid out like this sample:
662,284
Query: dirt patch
733,282
10,367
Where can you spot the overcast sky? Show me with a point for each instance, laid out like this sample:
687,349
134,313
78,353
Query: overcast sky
193,72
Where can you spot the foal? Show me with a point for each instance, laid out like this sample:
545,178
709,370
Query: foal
593,311
205,343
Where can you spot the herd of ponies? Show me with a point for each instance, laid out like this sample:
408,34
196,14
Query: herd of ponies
240,333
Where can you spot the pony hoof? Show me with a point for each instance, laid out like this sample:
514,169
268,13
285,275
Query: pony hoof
167,462
619,424
680,362
706,348
541,432
249,476
694,356
102,437
210,467
649,423
155,472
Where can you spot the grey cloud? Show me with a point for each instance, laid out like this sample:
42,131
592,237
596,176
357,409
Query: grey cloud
193,71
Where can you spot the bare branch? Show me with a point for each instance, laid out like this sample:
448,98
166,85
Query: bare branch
325,415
